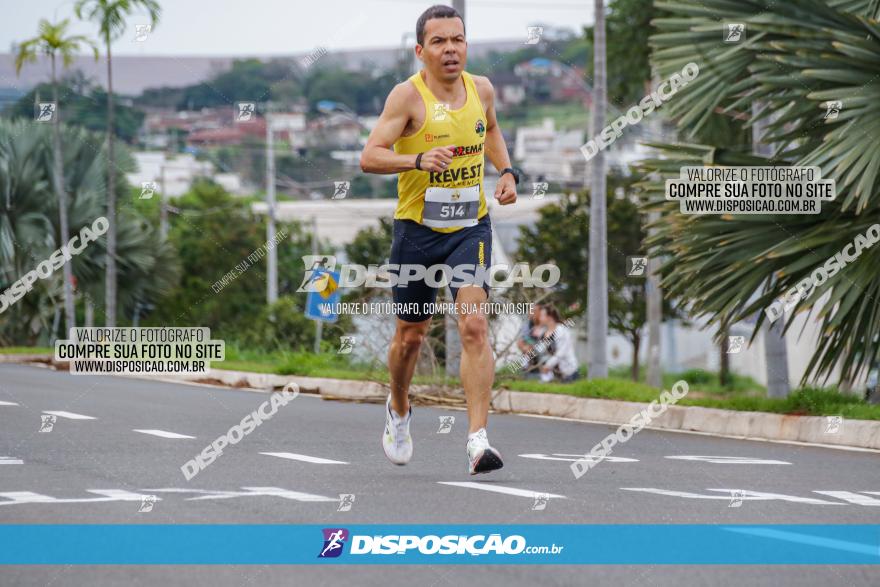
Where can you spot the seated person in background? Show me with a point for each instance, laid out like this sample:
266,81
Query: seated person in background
529,341
562,364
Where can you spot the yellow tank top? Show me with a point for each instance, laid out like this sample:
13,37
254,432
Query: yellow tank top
464,128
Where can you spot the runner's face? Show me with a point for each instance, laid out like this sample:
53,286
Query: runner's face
445,50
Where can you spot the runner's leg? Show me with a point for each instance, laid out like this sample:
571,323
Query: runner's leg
477,361
402,357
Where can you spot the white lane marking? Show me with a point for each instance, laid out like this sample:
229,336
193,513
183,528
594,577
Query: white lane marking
501,489
745,495
729,460
249,492
20,497
304,458
853,497
2,403
162,433
574,458
10,461
68,415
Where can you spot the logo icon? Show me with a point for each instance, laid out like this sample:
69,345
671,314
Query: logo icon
48,422
148,188
446,423
334,540
534,35
734,33
735,344
317,278
833,424
736,498
541,500
346,345
346,500
245,111
539,190
45,111
341,189
480,127
141,31
440,110
429,138
635,266
147,503
833,108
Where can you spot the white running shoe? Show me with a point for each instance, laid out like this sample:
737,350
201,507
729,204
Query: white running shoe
396,440
482,458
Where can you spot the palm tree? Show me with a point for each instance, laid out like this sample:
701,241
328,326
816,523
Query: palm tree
52,40
597,293
29,225
798,56
110,16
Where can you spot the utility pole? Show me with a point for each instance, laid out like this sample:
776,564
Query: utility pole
597,283
653,291
163,204
272,257
775,350
319,324
459,7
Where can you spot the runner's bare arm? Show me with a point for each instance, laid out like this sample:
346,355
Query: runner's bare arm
496,149
378,155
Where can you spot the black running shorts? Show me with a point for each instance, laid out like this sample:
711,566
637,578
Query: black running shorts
415,244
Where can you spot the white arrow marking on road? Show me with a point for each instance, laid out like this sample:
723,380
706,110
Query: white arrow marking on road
852,497
573,458
163,433
249,492
20,497
10,461
501,489
2,403
746,495
303,458
68,415
729,460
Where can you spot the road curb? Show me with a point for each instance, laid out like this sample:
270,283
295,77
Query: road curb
763,425
756,425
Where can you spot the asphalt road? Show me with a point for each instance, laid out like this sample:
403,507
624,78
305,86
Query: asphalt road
97,463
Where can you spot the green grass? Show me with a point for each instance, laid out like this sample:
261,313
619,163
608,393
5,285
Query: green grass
26,350
807,401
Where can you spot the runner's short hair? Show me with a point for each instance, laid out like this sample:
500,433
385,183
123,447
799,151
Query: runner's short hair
436,11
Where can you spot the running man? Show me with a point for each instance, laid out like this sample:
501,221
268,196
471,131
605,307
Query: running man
433,133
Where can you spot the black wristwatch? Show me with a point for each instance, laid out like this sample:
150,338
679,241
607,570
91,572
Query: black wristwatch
512,171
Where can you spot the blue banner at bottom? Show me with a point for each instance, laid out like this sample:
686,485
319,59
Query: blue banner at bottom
562,544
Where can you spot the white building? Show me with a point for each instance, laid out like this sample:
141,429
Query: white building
175,174
550,154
